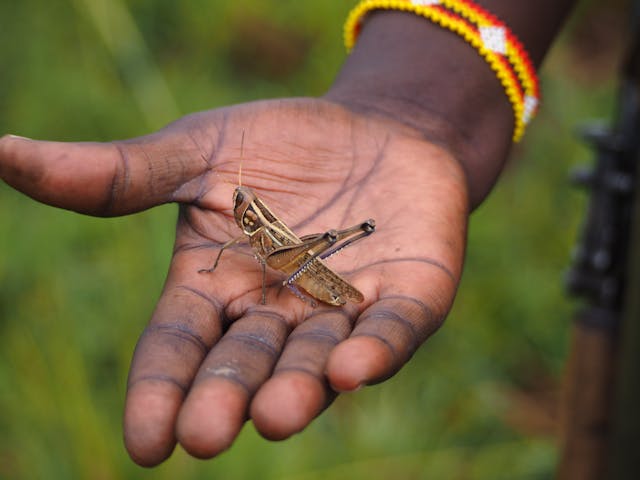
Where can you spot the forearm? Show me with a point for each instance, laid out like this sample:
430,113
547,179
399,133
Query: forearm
422,75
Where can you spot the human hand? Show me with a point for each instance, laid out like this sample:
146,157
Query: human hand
212,355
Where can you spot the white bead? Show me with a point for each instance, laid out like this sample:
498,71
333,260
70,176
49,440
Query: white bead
530,105
494,38
425,2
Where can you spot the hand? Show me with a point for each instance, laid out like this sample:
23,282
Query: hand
212,355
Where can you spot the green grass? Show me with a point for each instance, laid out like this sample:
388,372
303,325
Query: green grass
77,291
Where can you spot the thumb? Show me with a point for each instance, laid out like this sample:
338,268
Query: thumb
102,179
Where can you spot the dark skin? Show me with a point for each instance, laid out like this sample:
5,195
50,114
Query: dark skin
378,145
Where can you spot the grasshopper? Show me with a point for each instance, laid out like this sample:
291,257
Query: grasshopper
275,245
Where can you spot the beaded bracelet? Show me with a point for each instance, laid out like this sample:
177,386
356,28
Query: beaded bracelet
505,43
487,34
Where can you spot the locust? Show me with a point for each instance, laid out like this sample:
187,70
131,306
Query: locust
300,258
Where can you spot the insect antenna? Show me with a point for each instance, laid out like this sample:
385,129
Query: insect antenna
241,157
239,184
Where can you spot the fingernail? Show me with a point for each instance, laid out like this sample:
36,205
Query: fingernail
349,390
18,137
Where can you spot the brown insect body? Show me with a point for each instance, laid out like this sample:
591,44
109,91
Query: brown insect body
274,244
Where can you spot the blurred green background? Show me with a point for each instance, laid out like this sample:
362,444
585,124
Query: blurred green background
479,399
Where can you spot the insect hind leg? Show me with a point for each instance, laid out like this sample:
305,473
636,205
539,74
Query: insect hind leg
356,233
296,291
366,229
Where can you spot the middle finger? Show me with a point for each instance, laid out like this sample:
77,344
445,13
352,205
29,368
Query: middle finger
216,406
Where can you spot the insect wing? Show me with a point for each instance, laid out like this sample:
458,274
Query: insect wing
321,282
311,273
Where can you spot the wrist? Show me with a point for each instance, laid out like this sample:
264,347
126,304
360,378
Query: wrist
420,75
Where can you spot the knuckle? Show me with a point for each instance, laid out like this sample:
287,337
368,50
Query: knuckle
177,336
158,380
401,323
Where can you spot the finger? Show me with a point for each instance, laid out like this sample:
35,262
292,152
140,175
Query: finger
184,326
389,332
103,179
216,407
298,390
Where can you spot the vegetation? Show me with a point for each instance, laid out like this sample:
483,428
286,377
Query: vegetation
477,401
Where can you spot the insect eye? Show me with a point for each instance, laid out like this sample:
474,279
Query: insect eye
239,198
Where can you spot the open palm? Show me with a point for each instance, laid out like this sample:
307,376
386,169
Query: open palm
213,355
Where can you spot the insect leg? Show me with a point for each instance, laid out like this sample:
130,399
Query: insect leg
264,279
366,228
314,245
296,291
231,242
